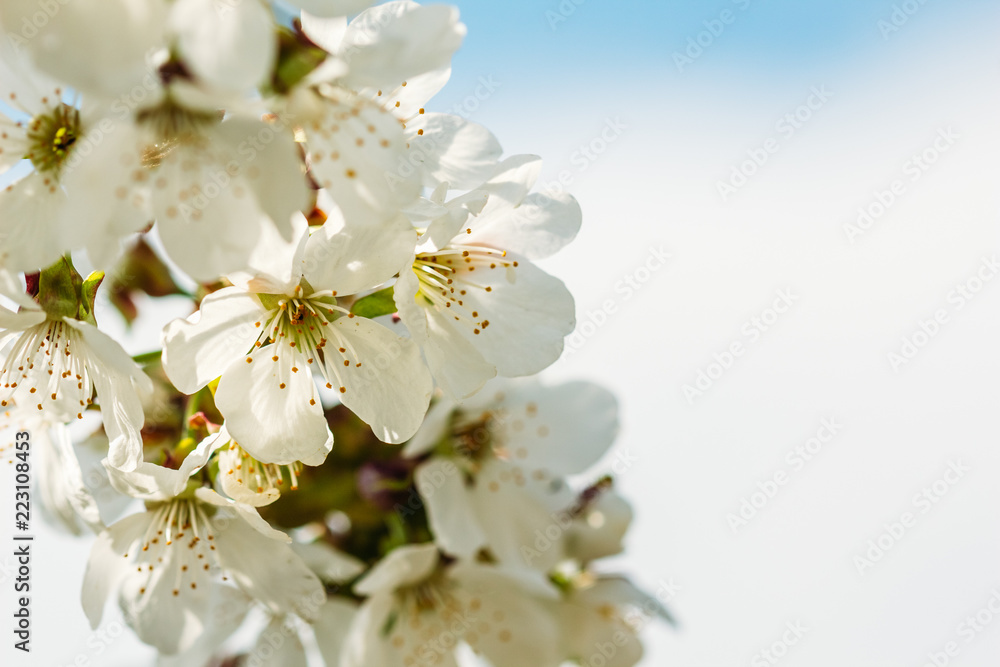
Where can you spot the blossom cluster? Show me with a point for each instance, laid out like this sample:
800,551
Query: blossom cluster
340,454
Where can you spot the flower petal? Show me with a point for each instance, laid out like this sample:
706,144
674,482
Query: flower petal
32,230
106,567
230,46
331,7
350,257
333,628
541,226
274,413
357,151
391,389
453,150
153,482
390,43
120,385
269,571
529,313
449,508
563,429
115,36
401,567
199,349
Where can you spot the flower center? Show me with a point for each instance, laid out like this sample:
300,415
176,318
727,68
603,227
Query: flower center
448,275
47,366
258,477
299,329
475,438
170,121
51,137
177,548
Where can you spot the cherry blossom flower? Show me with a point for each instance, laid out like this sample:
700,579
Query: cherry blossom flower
474,300
496,475
55,364
168,562
419,609
267,337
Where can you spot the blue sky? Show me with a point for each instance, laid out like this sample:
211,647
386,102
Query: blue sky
602,43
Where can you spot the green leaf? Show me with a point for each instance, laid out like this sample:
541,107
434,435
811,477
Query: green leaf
59,289
147,357
88,294
375,305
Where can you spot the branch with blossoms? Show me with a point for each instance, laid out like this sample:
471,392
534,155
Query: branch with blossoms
341,450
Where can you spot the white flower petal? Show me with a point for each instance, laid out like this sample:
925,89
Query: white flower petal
199,349
453,359
152,482
601,531
357,150
526,634
246,513
333,628
453,150
541,226
529,314
563,429
365,644
229,609
274,423
172,624
209,229
511,182
230,46
63,492
269,571
392,389
120,385
21,320
104,179
325,32
331,7
114,35
350,256
287,651
266,160
105,569
390,43
401,567
435,427
33,233
330,565
517,521
449,508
